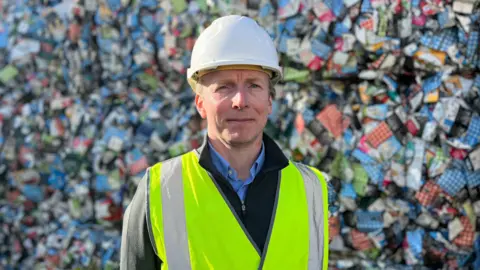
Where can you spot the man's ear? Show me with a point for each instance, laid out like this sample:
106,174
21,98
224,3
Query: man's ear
199,104
270,100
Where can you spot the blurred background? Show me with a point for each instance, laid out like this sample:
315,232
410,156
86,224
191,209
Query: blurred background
383,95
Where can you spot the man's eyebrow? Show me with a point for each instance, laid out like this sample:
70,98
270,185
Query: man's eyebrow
258,80
254,79
224,81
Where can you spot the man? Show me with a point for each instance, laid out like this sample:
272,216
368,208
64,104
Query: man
236,202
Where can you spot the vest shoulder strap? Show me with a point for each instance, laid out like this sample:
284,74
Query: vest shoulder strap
317,197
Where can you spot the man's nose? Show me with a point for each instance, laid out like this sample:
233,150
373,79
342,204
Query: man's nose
240,100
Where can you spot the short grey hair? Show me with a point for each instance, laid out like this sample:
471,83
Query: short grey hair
271,89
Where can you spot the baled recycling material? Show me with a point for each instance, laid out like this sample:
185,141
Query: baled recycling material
382,95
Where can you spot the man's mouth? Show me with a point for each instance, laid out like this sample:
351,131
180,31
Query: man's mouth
240,120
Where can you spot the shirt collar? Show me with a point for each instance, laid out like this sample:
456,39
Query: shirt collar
275,159
225,169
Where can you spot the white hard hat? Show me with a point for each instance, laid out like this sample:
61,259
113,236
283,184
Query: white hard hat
233,41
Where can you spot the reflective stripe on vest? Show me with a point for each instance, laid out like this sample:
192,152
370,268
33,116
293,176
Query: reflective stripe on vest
194,226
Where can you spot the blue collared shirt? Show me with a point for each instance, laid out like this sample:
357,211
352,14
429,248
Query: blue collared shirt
231,175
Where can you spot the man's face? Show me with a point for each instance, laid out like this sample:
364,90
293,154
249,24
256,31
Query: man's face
236,104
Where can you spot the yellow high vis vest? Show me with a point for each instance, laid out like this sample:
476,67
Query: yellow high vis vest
195,227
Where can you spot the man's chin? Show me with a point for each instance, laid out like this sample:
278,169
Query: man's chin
239,139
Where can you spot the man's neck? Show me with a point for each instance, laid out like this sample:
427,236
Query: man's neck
241,158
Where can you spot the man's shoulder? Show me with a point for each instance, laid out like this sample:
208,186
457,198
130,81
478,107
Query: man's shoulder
169,160
315,170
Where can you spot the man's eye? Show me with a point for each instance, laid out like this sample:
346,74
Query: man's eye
221,87
254,85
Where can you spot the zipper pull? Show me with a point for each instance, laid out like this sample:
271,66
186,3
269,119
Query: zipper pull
244,210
